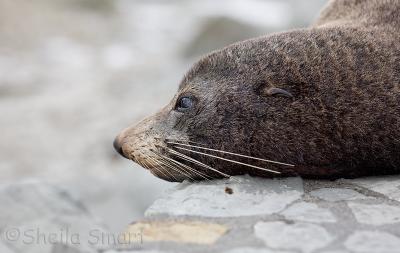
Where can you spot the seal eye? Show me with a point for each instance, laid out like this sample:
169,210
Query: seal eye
184,103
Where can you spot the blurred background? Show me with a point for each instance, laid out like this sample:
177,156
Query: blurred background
73,73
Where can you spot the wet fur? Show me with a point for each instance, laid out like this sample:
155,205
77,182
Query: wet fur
344,117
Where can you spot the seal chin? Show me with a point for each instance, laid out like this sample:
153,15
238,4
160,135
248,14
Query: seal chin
160,165
168,176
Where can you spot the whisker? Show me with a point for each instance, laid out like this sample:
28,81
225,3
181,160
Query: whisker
191,170
189,159
145,165
229,160
173,167
163,168
194,161
153,165
187,167
141,163
230,153
203,175
177,168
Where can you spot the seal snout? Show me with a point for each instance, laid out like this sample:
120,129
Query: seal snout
118,147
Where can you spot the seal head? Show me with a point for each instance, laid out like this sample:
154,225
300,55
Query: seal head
320,102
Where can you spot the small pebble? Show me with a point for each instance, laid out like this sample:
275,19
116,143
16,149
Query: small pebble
228,190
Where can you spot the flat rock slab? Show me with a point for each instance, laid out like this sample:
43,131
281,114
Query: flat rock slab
380,214
373,241
337,194
310,212
256,250
388,186
305,237
40,217
4,248
239,196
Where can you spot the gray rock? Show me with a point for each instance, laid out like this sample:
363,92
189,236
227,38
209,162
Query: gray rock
38,217
63,248
388,186
256,250
337,194
298,236
4,248
303,12
251,196
309,212
336,251
133,251
218,32
375,214
97,5
33,200
373,242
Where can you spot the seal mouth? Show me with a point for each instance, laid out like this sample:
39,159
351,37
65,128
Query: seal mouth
180,160
177,160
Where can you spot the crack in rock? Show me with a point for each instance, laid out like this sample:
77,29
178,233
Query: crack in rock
375,214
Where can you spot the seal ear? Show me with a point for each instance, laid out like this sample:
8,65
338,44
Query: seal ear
275,92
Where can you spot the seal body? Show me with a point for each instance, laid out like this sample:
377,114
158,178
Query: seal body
320,102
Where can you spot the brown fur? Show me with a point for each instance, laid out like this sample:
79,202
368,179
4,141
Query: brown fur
342,121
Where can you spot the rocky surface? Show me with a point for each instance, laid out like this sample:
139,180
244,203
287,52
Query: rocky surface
241,214
280,215
40,217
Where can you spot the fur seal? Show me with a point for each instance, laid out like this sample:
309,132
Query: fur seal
320,102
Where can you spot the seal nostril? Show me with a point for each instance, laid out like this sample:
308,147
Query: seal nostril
118,147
